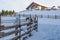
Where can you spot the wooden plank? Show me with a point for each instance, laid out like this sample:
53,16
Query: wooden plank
1,27
35,21
31,26
8,27
0,19
1,34
16,28
26,24
9,33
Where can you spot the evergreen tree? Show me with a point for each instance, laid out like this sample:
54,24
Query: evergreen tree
7,12
2,13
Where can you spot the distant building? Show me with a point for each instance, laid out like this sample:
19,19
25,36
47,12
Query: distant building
35,6
53,8
59,7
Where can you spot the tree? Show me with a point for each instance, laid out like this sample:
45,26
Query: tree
13,12
2,13
10,12
7,12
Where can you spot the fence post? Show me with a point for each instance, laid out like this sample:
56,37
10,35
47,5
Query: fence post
55,16
41,16
48,16
36,23
20,25
30,25
30,20
16,28
0,19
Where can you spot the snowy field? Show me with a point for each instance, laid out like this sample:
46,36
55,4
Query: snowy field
48,29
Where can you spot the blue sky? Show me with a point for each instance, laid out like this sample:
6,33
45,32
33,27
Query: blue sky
19,5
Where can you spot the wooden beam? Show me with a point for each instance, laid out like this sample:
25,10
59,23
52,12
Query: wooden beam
8,27
0,19
2,34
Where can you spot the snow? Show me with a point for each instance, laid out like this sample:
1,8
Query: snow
46,32
48,29
49,21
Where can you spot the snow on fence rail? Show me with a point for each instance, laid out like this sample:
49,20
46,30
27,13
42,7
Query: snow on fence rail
31,25
11,21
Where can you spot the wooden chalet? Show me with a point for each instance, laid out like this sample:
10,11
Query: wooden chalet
35,6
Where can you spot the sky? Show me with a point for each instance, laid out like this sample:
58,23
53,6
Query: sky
20,5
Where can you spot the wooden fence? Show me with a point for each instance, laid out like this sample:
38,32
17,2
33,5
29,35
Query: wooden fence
53,16
31,25
49,16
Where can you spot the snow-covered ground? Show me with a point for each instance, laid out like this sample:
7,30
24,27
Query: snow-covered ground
46,32
48,29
